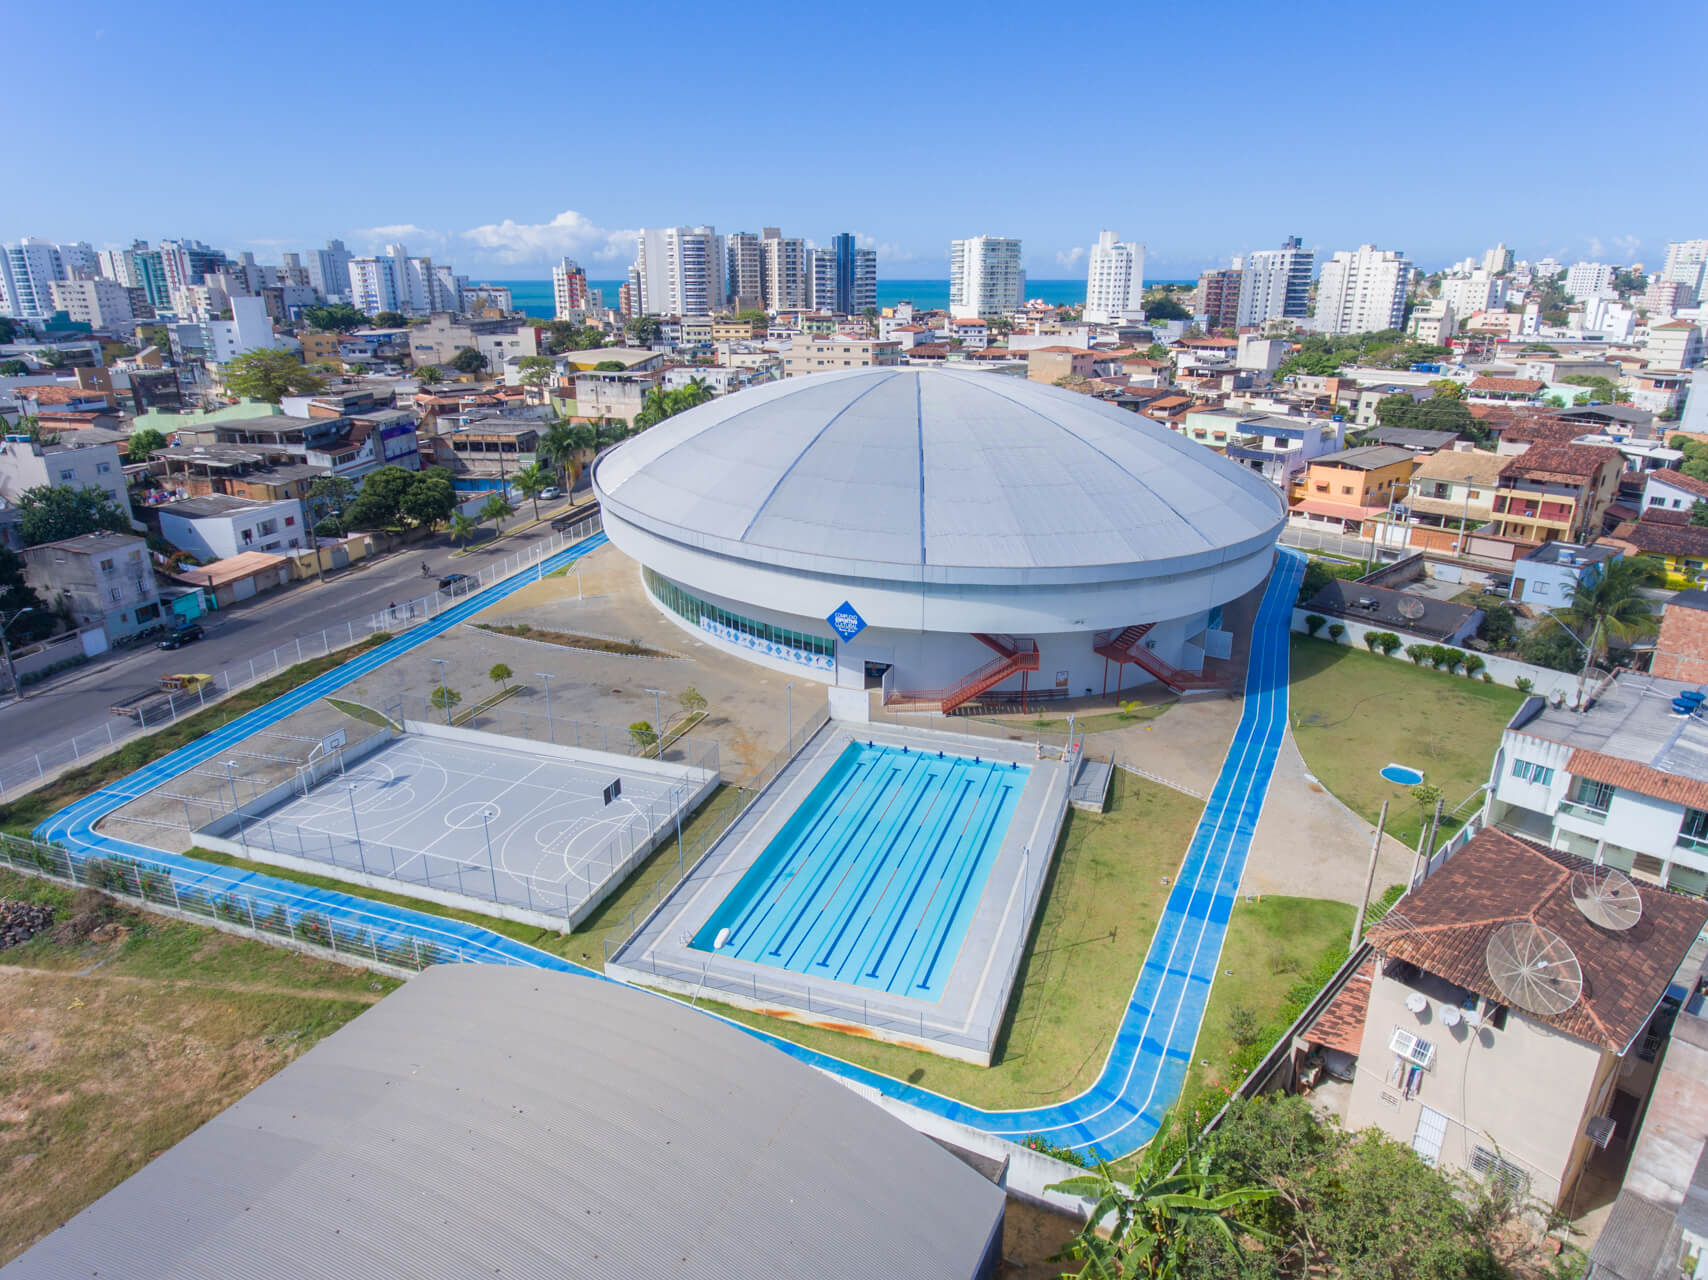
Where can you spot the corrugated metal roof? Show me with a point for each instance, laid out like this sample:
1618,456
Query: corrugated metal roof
917,473
498,1121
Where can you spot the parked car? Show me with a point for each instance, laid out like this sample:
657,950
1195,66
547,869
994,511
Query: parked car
456,583
551,493
184,635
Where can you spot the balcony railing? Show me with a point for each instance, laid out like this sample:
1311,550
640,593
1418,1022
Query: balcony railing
1588,813
1693,844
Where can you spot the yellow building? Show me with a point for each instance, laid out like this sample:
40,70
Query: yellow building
1354,484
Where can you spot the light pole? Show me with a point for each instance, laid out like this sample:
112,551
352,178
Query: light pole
236,807
6,648
789,702
444,690
546,676
1465,523
355,828
657,725
491,866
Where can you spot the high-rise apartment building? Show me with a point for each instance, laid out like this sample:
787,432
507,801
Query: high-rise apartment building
842,246
1275,284
1218,297
78,261
27,272
1362,291
1589,280
394,281
682,271
329,270
985,277
569,290
1497,260
1687,264
1469,294
821,280
865,297
783,270
1115,281
746,275
99,303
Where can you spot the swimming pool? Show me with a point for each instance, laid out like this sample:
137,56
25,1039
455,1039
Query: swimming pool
873,879
1403,774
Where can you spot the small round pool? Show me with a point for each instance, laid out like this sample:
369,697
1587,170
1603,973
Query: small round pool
1401,774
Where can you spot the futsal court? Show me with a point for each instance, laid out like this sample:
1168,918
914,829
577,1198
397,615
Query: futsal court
543,832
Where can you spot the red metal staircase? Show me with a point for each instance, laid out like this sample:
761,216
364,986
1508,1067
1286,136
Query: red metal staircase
1128,646
1016,657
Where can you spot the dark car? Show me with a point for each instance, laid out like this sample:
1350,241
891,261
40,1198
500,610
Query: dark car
181,637
456,583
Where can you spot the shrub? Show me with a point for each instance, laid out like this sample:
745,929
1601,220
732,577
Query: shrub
1314,622
1336,631
1243,1027
1438,656
1455,659
1525,685
1067,1155
1417,653
1473,664
1487,678
1372,639
1390,642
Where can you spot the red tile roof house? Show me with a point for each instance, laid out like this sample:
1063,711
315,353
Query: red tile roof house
1503,391
1517,1073
1557,491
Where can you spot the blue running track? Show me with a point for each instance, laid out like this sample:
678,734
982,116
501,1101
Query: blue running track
1153,1045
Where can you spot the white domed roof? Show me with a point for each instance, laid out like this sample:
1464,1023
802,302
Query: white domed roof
937,476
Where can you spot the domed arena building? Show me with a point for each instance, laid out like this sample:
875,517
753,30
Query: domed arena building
951,536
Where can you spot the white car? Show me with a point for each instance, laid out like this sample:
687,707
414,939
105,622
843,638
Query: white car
550,492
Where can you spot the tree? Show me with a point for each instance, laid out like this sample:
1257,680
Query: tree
444,698
50,513
430,500
24,615
562,443
1335,631
144,443
500,675
497,509
338,317
379,505
14,369
1391,410
390,320
1418,653
645,330
1314,622
1699,514
8,329
1389,642
1611,605
609,366
462,529
468,360
1447,389
529,480
1473,663
1601,390
691,700
661,404
754,316
1499,627
537,372
1162,306
1156,351
1145,1225
269,375
642,734
329,497
429,375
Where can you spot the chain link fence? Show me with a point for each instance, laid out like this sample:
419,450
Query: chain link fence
25,770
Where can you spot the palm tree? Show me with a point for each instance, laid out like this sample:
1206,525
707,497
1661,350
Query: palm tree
561,443
497,509
1611,604
529,480
1139,1228
462,528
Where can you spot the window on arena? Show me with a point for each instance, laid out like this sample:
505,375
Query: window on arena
691,608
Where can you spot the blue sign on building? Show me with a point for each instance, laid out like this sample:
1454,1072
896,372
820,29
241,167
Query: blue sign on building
846,622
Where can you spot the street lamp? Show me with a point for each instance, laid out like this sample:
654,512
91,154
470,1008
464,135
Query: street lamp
1465,523
444,689
1588,649
5,648
546,676
789,701
491,867
657,724
236,806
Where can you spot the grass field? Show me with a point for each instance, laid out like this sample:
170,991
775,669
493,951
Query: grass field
1094,722
116,1045
1353,712
1271,943
1100,907
21,816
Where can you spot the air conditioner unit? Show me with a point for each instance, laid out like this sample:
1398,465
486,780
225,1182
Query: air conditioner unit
1599,1130
1414,1049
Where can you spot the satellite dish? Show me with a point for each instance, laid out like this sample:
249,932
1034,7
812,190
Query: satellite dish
1416,1003
1534,968
1473,1018
1449,1015
1607,897
1409,608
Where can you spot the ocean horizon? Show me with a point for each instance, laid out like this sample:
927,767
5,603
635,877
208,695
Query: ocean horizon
534,297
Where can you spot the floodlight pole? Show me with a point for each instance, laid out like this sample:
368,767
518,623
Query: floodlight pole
6,649
491,866
789,702
657,723
546,676
354,826
444,690
236,804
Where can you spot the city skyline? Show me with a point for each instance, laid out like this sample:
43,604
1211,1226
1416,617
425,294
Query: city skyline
904,191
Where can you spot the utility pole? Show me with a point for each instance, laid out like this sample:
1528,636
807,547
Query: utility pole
6,649
1369,881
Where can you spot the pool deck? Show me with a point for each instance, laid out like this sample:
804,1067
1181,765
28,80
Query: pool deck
965,1022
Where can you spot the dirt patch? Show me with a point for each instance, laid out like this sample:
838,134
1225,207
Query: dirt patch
574,640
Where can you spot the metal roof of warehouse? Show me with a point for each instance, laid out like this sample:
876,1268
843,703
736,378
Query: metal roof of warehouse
506,1121
916,474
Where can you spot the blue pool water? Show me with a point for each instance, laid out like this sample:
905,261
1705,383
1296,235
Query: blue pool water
873,880
1402,775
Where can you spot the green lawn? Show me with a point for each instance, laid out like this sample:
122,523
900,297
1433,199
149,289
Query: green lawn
1354,712
1271,943
116,1044
1095,722
1100,907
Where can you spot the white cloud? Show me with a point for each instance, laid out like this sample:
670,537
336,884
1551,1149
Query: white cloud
400,233
886,251
1629,246
1068,258
569,235
1595,246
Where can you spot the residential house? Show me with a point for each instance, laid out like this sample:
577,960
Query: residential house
438,341
1518,1078
320,348
1678,549
70,463
1419,440
632,359
1052,364
1455,487
1374,606
1353,485
1546,577
1493,390
1681,648
1668,490
100,579
815,355
612,395
1623,782
1279,448
1557,491
489,450
972,333
239,577
1677,344
217,526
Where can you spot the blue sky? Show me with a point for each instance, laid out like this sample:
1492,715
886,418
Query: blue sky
500,139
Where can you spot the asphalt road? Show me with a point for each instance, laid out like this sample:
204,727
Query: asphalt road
77,702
